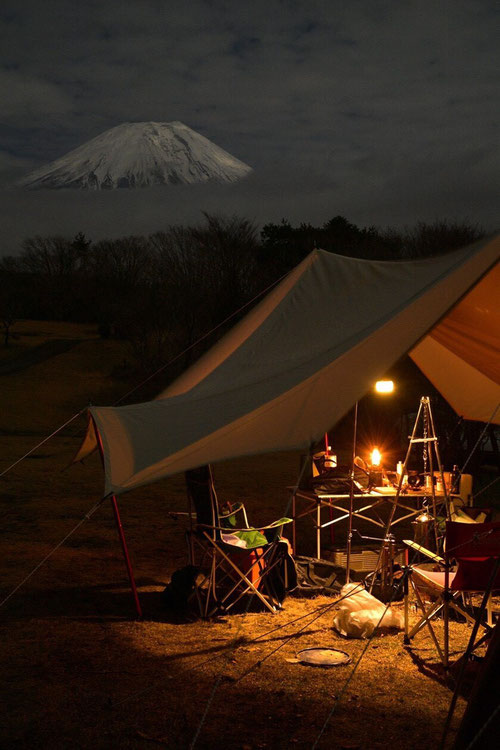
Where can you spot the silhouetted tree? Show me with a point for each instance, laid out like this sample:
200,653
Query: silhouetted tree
201,275
173,288
288,245
425,240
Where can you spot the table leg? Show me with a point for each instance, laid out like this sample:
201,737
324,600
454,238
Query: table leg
318,529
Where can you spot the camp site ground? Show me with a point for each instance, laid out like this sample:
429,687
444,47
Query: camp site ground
79,670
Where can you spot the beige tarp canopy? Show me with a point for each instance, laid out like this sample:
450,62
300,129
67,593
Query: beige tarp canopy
303,356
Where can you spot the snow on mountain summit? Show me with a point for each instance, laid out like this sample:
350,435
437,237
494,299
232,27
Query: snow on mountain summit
140,154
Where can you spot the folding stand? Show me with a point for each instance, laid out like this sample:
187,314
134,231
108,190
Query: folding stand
429,442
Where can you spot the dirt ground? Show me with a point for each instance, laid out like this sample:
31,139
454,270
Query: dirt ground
80,671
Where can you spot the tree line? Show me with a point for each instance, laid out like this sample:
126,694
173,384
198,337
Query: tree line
175,292
167,290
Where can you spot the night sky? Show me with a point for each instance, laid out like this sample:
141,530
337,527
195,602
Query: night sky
384,112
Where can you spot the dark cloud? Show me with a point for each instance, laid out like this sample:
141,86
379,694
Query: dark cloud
397,104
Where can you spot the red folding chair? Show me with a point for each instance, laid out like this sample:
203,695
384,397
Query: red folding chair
471,564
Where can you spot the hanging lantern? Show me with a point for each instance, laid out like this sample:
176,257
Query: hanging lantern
421,528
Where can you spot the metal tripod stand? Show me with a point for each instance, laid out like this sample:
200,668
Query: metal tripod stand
429,441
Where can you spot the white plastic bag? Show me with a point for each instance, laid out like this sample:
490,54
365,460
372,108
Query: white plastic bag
360,613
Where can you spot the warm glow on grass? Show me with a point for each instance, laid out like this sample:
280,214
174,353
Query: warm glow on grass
384,386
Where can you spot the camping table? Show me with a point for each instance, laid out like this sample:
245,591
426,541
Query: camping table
365,507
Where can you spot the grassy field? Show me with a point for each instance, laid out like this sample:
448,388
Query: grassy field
80,671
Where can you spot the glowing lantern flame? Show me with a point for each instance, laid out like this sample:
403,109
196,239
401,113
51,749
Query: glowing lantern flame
384,386
376,457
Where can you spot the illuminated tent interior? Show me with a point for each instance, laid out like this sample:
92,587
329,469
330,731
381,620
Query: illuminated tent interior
300,359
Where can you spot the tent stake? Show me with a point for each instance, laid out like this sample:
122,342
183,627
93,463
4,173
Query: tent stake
121,534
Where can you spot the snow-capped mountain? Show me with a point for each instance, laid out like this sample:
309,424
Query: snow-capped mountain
140,154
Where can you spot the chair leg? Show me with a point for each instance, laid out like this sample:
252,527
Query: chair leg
406,603
446,626
243,577
472,644
429,613
446,604
223,583
435,608
265,566
204,589
269,560
463,612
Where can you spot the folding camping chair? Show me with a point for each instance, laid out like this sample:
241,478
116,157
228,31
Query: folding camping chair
233,558
475,548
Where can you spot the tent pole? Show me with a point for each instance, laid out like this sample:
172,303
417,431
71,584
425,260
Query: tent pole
351,498
130,572
121,533
332,529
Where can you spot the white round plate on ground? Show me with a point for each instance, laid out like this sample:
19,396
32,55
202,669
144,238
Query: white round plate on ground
323,657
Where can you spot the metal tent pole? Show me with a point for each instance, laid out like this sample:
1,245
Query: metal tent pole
121,534
351,497
128,564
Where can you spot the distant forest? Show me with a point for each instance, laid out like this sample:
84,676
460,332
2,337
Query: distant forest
166,291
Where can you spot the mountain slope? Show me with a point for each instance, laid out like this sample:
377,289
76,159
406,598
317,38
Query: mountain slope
140,154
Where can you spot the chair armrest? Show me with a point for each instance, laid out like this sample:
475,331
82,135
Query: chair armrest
280,522
273,525
427,552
